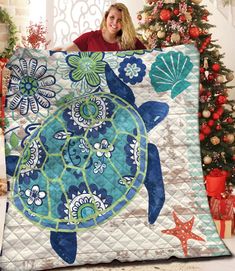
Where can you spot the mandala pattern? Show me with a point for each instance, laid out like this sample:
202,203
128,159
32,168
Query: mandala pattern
132,70
33,159
82,203
89,115
30,87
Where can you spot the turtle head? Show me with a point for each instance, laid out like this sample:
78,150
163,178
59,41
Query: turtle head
152,113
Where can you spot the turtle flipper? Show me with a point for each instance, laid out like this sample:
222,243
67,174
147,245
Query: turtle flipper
11,163
65,245
154,184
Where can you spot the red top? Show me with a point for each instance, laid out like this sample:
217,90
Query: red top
93,41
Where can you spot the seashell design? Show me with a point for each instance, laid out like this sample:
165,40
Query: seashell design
169,72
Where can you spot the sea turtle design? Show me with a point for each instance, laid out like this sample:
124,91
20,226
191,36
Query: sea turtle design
86,162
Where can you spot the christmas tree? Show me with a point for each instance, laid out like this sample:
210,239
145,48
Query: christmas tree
174,22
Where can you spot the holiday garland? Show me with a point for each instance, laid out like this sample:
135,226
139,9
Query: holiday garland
6,19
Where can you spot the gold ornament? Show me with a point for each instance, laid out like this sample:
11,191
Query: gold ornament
206,113
229,76
161,34
175,37
220,78
230,138
188,16
207,160
215,140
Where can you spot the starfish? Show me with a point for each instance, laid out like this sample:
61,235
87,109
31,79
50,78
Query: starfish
183,231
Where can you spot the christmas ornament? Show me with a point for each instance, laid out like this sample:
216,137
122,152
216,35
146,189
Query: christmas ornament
165,15
230,138
215,140
207,160
201,136
229,76
175,37
220,78
194,32
216,67
161,34
211,123
218,127
215,116
221,99
206,113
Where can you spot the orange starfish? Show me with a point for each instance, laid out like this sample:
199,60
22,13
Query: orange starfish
183,231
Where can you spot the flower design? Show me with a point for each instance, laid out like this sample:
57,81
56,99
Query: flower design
86,65
132,70
33,159
104,148
99,167
83,145
35,196
30,87
89,114
82,203
132,153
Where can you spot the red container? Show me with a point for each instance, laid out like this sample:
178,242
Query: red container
215,185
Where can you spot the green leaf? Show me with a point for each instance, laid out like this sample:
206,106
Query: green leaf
14,140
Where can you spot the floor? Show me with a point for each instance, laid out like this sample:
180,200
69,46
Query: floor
215,264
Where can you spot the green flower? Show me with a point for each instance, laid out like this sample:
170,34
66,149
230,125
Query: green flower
86,65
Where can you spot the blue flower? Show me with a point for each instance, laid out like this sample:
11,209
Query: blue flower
81,202
30,87
132,70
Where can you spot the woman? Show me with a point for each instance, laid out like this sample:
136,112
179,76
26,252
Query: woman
116,33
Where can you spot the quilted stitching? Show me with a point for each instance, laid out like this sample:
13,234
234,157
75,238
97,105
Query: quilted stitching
128,236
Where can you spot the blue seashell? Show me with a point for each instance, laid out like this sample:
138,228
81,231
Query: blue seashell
169,72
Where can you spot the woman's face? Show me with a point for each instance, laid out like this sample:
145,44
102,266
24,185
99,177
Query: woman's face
114,21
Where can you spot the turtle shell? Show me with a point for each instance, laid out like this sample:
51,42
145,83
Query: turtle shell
83,165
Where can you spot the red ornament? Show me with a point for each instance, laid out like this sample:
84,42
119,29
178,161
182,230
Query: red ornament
229,120
194,32
210,77
206,130
233,157
218,127
221,99
165,15
182,18
215,116
216,67
211,123
201,136
176,11
220,110
202,70
225,139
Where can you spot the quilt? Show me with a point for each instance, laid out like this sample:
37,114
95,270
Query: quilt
103,159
